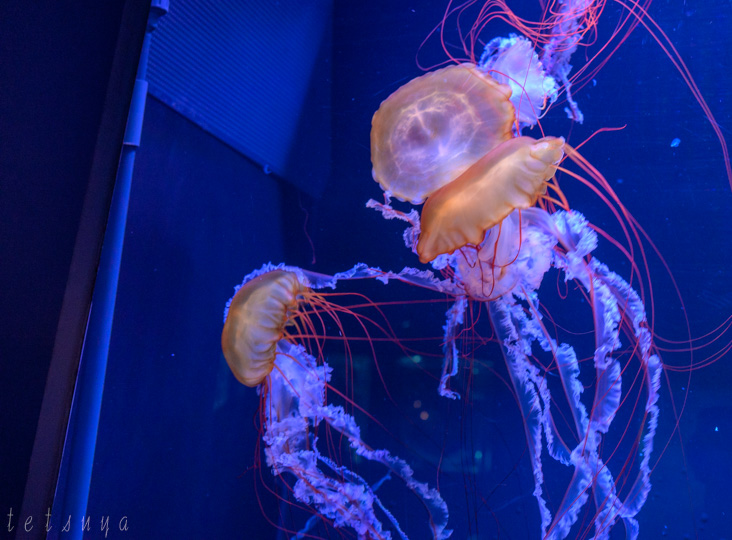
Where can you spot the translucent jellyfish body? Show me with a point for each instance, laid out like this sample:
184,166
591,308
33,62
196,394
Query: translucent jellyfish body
511,176
435,127
255,322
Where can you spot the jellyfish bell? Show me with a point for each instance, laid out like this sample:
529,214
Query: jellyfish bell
515,255
512,61
435,127
511,176
255,323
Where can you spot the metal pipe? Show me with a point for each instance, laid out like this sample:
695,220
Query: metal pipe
72,491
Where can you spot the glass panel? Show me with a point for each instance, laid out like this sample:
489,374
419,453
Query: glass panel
179,451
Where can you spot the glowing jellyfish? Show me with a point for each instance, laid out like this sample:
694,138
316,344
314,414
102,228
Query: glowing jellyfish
260,351
565,241
452,139
511,176
498,249
257,318
435,127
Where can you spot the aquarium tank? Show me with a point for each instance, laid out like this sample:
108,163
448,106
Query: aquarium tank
401,269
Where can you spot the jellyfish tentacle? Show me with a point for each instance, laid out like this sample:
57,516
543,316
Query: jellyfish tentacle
529,386
652,369
450,364
295,406
289,447
567,31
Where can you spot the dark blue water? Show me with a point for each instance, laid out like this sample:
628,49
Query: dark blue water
177,445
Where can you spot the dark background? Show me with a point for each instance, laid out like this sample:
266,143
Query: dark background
177,440
67,71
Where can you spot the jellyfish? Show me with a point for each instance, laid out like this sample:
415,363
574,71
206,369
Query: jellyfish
564,241
426,118
256,321
493,225
484,227
510,176
446,136
451,140
259,340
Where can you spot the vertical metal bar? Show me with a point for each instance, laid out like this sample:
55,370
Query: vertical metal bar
72,491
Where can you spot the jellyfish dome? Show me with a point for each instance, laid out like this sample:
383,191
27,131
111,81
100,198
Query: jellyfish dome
255,322
513,62
511,176
435,127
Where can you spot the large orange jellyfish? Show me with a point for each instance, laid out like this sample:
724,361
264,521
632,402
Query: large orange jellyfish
446,136
435,127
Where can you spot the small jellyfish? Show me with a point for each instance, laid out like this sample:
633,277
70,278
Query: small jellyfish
256,321
270,327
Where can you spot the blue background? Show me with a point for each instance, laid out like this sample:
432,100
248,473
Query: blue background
203,215
177,440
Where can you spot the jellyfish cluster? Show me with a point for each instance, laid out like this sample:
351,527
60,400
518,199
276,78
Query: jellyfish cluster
452,141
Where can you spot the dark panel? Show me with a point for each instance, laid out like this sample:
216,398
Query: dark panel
242,70
57,65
